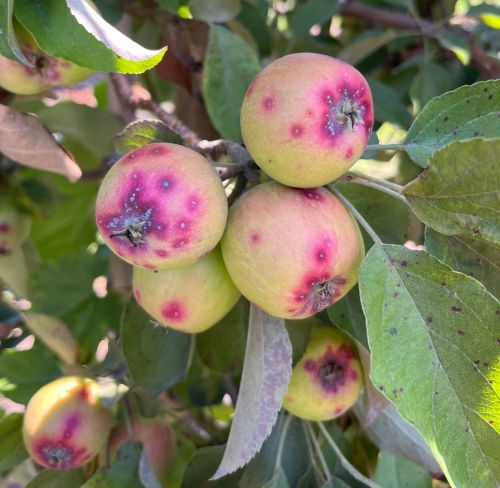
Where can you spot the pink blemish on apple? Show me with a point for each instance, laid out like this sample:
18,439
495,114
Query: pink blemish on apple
59,454
4,227
268,103
332,370
338,410
180,242
310,194
296,130
255,238
72,424
84,394
193,203
137,294
161,253
174,312
348,154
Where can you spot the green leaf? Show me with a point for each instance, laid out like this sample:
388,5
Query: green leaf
201,467
396,472
58,479
91,127
73,30
124,470
22,373
230,66
69,227
222,347
74,301
424,317
391,433
299,332
388,105
431,80
255,23
9,46
214,10
306,14
295,459
347,314
12,450
470,256
457,44
266,373
458,194
278,480
387,215
157,357
489,14
366,43
142,132
469,111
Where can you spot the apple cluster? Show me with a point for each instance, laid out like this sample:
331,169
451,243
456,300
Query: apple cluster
288,245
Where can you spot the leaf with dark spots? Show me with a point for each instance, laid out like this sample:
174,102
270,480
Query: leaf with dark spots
471,256
458,193
458,115
443,351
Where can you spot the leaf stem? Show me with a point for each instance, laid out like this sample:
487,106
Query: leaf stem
281,445
391,189
317,448
385,147
375,238
343,460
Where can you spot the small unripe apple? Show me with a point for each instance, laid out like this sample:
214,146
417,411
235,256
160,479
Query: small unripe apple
157,438
293,252
161,206
326,382
190,299
46,72
65,425
306,119
14,227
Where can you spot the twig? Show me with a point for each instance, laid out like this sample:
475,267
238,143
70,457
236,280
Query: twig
357,215
343,460
379,181
124,92
366,14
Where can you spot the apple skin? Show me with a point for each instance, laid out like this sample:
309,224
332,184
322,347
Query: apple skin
65,425
327,381
306,119
157,438
175,197
293,252
14,227
190,299
46,73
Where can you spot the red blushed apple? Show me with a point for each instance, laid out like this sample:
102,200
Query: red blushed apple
190,299
157,438
306,119
14,227
161,206
65,425
46,72
293,252
327,381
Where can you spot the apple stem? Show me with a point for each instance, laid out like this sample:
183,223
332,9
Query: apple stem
386,187
375,238
317,448
385,147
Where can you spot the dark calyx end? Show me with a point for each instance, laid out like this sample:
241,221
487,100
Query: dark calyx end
348,114
58,456
331,372
133,232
